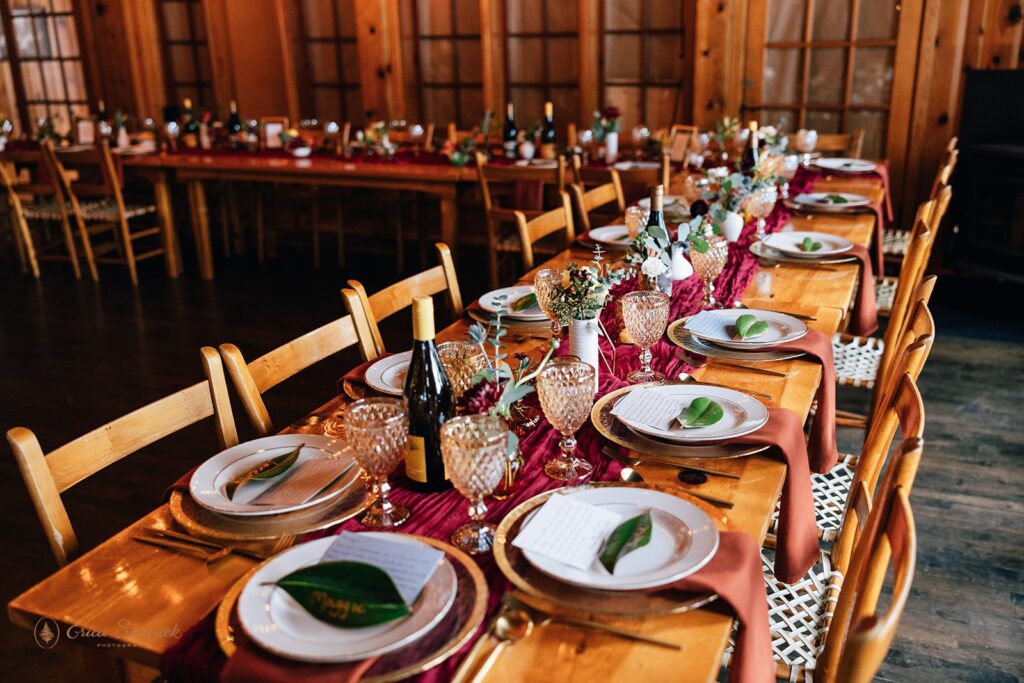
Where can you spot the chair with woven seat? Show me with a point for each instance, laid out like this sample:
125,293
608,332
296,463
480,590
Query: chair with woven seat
511,184
608,194
105,211
369,310
49,475
646,176
895,241
802,614
847,144
555,221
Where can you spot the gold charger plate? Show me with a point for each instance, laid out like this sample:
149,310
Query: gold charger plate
439,644
198,521
621,435
535,583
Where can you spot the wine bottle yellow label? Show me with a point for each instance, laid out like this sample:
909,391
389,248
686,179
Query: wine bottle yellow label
416,459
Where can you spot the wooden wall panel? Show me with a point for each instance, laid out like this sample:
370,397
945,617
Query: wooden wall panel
994,37
719,46
380,63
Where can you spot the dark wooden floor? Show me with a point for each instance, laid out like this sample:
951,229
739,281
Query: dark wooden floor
74,355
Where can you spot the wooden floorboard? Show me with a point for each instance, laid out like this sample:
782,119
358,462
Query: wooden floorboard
74,355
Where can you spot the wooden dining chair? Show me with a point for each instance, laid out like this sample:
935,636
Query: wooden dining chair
848,144
370,310
895,241
606,195
98,207
421,137
49,475
554,221
498,185
252,380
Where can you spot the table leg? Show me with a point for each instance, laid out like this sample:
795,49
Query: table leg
449,221
201,228
172,250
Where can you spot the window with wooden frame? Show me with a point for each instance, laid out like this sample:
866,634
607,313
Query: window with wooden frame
541,59
833,65
186,52
332,61
447,60
41,63
643,61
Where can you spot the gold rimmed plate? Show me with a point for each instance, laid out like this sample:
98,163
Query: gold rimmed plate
763,251
681,337
440,643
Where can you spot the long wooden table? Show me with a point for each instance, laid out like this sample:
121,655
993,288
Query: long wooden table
140,596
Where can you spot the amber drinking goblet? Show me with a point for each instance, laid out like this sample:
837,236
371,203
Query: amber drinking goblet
566,392
546,283
709,265
378,429
474,448
462,361
645,315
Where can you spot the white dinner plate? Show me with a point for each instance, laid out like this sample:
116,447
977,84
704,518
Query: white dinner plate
611,235
279,624
789,244
388,374
845,165
719,327
743,414
209,479
820,201
635,165
683,539
537,163
506,296
671,202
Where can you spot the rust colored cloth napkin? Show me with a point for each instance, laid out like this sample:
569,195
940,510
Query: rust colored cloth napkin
796,548
734,573
358,373
822,450
864,320
250,663
181,484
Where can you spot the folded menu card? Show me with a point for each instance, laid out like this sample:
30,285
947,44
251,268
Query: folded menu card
568,530
710,324
303,482
410,565
650,407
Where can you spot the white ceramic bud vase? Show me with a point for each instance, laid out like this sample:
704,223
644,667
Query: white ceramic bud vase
611,147
526,150
681,268
583,339
732,226
123,141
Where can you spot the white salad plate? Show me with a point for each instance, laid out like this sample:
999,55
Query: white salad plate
388,374
719,327
279,624
823,201
743,413
673,202
210,478
845,165
789,243
683,540
611,235
505,297
635,165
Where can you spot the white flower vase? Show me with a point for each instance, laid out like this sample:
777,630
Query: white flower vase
681,268
732,226
123,141
583,339
611,147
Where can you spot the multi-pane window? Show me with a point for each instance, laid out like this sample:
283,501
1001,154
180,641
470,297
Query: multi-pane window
332,60
541,58
41,63
829,65
186,52
447,61
643,61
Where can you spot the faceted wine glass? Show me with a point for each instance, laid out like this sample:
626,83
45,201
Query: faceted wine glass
645,315
545,284
762,202
710,265
462,360
566,392
636,220
474,448
378,430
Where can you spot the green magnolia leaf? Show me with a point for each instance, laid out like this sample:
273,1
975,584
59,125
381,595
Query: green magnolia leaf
269,469
525,302
625,538
748,327
836,199
347,594
702,412
810,245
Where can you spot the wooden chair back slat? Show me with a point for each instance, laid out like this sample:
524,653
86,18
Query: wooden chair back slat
406,138
48,476
896,339
850,144
556,220
602,195
396,297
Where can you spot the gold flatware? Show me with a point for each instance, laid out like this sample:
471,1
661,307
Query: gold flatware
508,626
209,546
615,455
631,476
761,371
183,548
541,616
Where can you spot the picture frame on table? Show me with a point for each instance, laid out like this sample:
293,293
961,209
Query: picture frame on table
85,132
271,128
679,139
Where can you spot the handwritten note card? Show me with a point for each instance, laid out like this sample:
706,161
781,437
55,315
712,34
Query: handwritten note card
409,565
710,324
568,530
305,481
650,407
